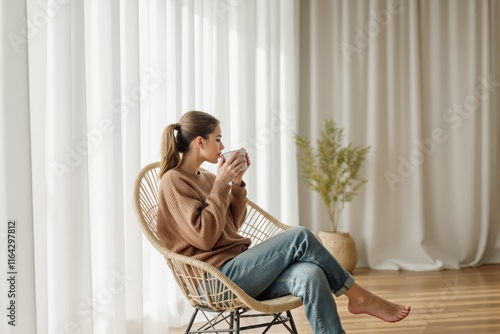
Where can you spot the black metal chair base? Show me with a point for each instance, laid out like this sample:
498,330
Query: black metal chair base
231,321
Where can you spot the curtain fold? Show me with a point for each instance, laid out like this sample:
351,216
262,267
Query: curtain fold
417,81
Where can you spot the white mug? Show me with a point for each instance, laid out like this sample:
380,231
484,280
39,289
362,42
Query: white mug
241,152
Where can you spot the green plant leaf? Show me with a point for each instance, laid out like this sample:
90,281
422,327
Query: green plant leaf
332,169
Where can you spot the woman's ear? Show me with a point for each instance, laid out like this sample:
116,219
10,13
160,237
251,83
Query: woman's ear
199,142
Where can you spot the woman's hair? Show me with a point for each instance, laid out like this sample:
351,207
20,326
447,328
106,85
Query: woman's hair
191,125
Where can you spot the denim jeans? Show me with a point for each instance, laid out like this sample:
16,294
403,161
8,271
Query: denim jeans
294,262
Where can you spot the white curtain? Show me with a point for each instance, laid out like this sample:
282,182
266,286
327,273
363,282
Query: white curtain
237,60
418,81
87,88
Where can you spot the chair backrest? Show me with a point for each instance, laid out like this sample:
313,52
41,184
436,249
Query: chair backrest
146,202
260,225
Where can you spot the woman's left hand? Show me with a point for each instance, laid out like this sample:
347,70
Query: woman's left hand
239,177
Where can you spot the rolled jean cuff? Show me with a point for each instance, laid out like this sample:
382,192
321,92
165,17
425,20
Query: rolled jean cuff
347,285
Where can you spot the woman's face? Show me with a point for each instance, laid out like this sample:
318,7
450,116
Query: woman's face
213,146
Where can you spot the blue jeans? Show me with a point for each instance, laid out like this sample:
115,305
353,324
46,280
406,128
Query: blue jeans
294,262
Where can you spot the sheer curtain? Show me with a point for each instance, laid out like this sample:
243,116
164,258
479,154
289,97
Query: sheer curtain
419,81
87,88
239,61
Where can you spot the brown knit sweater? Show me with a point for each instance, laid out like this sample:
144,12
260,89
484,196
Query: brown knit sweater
199,217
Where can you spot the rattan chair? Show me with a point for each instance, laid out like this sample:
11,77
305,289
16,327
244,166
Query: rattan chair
221,301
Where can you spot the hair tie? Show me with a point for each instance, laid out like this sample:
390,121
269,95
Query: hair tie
177,126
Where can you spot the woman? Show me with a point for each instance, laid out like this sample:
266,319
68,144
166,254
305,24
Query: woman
199,216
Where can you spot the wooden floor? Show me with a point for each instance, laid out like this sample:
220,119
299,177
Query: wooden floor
448,301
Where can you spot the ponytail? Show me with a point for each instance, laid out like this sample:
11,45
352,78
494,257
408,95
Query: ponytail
170,156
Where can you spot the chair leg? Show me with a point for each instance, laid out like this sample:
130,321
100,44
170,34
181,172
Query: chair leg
237,321
191,321
231,320
292,323
234,323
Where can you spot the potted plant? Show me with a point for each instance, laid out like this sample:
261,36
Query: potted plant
332,170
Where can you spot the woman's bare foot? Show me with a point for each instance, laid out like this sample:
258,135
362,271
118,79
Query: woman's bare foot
363,301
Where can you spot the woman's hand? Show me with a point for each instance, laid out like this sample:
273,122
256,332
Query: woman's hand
239,177
228,170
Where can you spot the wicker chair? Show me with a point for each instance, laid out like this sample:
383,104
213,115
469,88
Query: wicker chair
206,288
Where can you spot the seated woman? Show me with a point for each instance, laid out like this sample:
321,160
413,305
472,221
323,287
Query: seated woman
199,216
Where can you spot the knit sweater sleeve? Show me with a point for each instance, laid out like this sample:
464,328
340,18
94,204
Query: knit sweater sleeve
238,204
200,222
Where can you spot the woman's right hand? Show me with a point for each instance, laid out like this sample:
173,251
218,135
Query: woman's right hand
227,170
